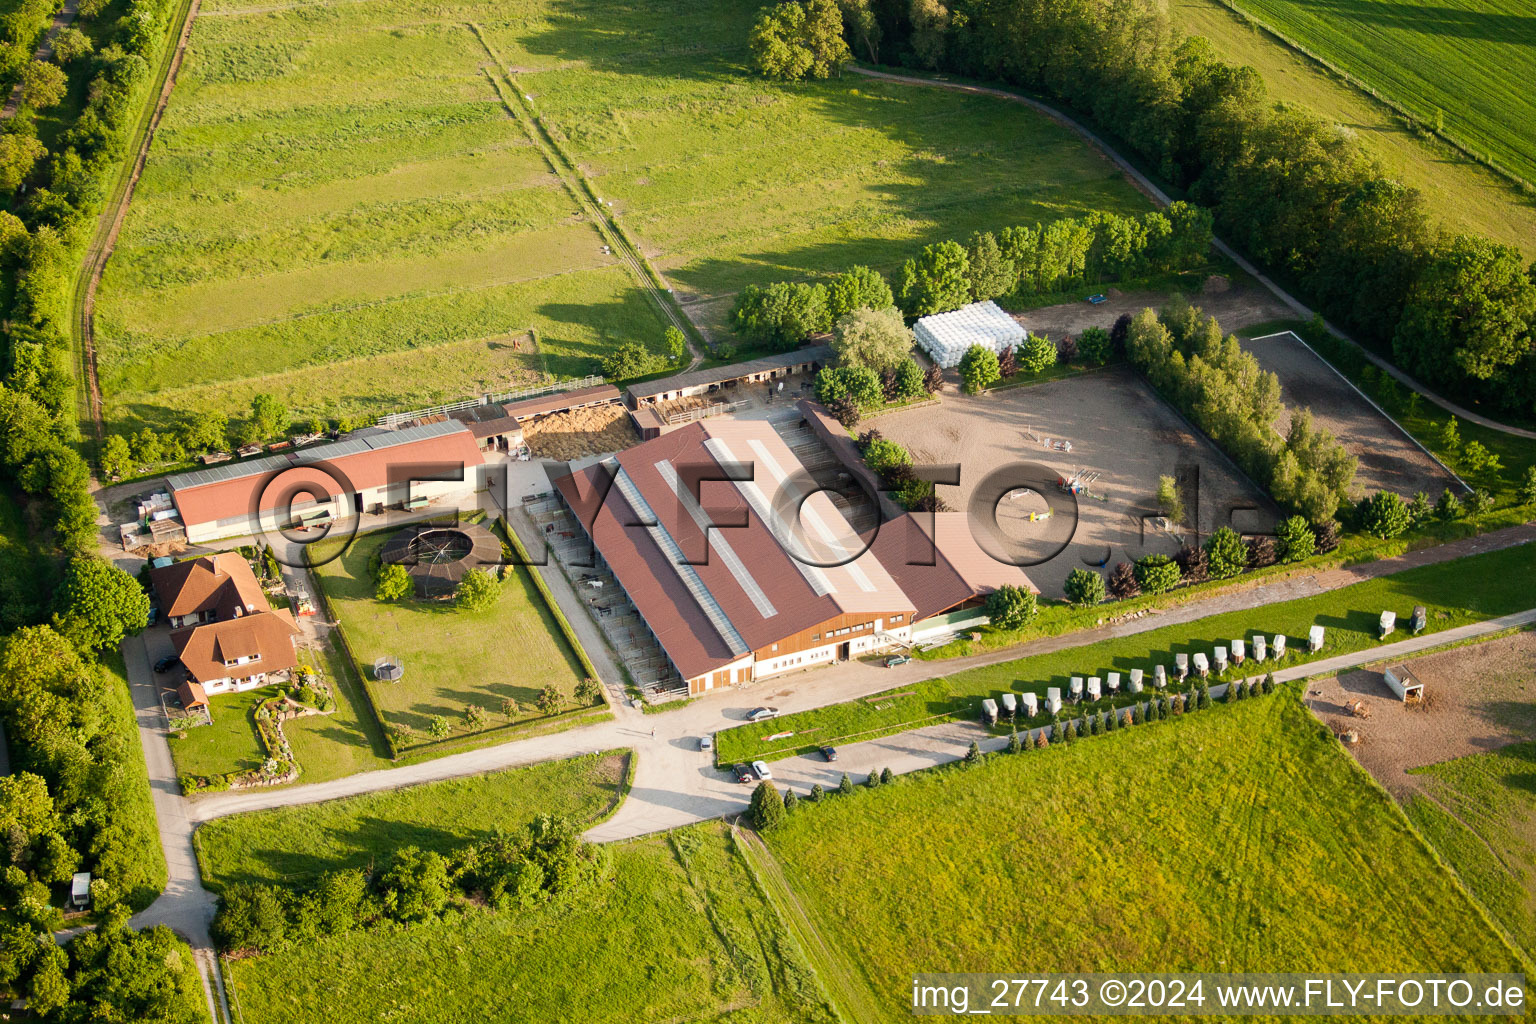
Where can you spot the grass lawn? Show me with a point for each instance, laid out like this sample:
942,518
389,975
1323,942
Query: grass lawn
1469,62
1455,593
679,934
292,845
1239,839
453,658
726,179
229,744
1458,192
1480,813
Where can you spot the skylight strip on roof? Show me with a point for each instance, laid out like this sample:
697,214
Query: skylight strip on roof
812,516
717,542
813,575
674,554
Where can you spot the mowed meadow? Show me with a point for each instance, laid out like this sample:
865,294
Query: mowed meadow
725,179
339,209
340,186
1468,63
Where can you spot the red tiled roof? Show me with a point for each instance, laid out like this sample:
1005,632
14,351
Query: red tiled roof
762,591
232,498
945,568
204,649
218,583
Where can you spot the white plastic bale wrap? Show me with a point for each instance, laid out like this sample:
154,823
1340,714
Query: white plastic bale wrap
948,336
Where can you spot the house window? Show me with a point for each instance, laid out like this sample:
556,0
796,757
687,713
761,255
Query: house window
895,618
775,647
815,637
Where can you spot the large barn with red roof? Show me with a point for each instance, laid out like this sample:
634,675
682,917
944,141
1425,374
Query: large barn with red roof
743,579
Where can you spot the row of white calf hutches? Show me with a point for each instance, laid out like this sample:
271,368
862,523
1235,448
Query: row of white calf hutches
947,336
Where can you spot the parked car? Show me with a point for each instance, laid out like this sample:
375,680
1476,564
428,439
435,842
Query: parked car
830,753
762,714
743,773
897,659
167,663
761,768
706,742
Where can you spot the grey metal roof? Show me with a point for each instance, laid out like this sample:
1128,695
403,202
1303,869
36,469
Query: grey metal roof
695,378
371,439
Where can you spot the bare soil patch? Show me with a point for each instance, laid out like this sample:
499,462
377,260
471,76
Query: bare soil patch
1478,698
1119,428
1235,307
1389,459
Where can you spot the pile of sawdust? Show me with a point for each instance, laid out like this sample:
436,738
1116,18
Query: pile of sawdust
579,432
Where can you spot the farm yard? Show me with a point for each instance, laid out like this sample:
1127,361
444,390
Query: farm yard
1388,459
454,658
1459,193
1220,829
1118,427
1468,63
680,933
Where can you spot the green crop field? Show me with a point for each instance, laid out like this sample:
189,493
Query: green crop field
1454,594
293,845
1458,192
679,934
453,658
1480,813
342,186
1467,62
1240,838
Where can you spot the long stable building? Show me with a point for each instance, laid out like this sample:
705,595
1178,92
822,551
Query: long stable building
780,581
318,485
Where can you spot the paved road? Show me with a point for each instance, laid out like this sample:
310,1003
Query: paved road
1302,311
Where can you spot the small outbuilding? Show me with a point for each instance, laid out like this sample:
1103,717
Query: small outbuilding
1401,681
989,711
947,336
192,696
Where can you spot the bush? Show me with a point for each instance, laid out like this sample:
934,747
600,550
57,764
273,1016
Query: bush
767,807
884,456
1123,583
1478,502
1009,606
909,381
857,383
1094,346
1326,536
394,583
874,338
1038,354
416,887
1261,552
1296,539
1227,553
1156,574
1384,515
1448,508
979,369
477,590
1084,587
1194,564
1168,500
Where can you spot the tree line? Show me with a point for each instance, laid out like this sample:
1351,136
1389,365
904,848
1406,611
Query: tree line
546,861
1298,194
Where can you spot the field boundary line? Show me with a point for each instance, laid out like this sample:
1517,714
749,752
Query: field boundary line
1162,198
1356,389
110,221
521,110
1394,105
769,877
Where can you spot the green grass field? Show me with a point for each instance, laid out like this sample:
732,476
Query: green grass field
1455,593
141,873
453,658
339,185
727,180
1480,813
679,934
291,845
1459,193
1469,62
1237,839
228,743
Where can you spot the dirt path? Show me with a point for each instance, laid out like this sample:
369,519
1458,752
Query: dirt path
43,52
1146,185
519,106
113,215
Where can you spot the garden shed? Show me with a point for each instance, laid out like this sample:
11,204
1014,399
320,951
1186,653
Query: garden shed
947,336
1401,680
